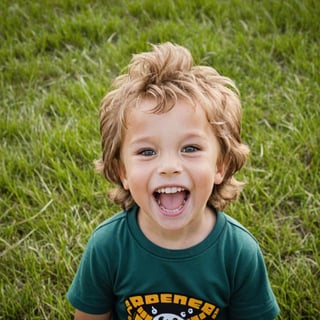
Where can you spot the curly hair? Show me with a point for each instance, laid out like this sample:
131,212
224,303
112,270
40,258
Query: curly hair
166,74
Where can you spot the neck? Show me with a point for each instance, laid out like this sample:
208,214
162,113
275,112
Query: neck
191,235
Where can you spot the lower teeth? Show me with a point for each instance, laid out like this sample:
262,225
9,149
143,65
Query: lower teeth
171,210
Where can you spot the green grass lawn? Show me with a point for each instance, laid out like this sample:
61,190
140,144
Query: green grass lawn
57,59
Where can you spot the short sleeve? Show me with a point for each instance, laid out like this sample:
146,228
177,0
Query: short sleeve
252,297
91,289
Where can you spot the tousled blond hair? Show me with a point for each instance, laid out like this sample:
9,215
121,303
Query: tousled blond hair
166,74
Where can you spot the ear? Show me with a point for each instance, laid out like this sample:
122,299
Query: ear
123,176
220,172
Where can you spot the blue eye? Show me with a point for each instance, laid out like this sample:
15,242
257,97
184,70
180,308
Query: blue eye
147,152
189,149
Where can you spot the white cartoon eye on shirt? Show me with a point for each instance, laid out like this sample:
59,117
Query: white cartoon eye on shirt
167,316
170,316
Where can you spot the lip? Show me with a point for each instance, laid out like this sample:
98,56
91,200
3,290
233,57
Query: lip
170,189
172,186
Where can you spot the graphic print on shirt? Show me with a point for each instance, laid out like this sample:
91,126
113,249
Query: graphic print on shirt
169,306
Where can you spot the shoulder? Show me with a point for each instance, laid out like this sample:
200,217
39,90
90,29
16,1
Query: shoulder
236,233
241,249
115,223
247,274
111,223
238,230
111,232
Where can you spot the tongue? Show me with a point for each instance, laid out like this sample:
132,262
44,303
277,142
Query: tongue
171,201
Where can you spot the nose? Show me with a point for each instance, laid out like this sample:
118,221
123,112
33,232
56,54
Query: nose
169,164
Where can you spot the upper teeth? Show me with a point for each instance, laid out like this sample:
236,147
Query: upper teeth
170,190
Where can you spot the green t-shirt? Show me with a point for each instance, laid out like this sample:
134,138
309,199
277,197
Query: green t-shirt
223,277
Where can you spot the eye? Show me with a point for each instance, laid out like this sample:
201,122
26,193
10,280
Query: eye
146,152
190,149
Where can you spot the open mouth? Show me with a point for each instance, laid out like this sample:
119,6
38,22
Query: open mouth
171,200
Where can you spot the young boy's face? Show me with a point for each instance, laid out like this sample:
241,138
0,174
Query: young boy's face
169,165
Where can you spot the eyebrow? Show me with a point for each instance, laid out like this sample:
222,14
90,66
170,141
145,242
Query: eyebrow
189,135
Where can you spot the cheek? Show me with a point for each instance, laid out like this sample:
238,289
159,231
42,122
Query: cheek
135,177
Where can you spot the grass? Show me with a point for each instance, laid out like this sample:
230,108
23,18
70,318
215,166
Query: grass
57,59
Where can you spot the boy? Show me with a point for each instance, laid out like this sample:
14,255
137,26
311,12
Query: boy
171,145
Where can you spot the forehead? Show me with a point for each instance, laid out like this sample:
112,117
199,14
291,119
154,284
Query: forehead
183,119
152,106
